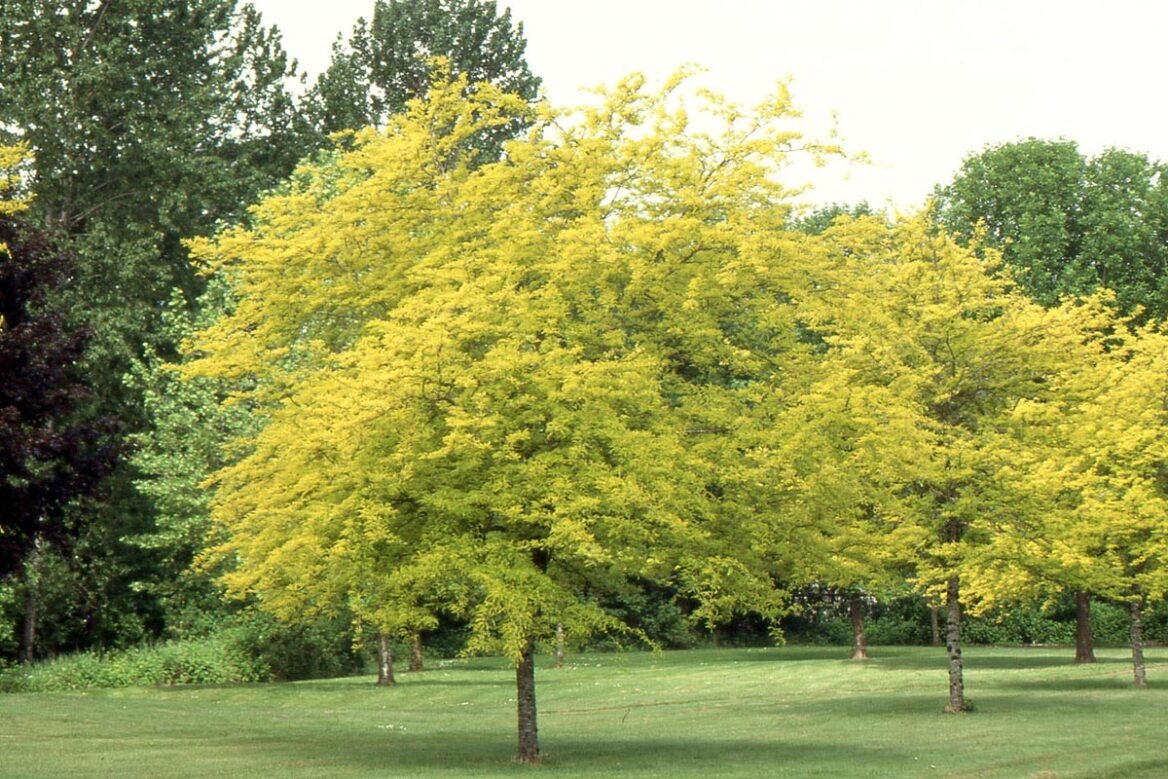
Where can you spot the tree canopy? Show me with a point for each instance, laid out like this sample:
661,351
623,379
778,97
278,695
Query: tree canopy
469,364
148,121
388,61
48,457
1068,224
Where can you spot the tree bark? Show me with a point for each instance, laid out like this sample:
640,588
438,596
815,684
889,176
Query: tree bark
29,634
957,703
1139,670
417,664
1084,641
559,645
384,661
935,625
859,640
525,688
32,601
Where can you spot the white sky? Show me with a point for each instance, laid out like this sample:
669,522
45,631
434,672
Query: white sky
918,84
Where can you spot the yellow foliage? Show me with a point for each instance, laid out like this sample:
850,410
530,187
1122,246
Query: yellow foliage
13,158
489,375
488,389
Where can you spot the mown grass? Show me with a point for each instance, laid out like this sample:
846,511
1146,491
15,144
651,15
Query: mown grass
786,712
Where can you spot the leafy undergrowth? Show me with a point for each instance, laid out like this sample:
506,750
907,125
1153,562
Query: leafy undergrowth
795,712
216,660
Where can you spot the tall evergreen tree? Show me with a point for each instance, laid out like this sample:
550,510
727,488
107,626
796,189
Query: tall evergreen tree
149,121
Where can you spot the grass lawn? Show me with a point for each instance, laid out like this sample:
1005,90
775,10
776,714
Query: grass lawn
786,712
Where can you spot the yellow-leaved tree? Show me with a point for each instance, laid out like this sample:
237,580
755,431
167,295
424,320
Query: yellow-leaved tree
1099,466
823,453
928,351
1121,478
493,390
13,158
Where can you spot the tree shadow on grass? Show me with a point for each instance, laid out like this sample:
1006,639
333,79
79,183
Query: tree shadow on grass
432,753
421,680
990,704
707,757
788,654
988,658
1024,658
1109,683
412,679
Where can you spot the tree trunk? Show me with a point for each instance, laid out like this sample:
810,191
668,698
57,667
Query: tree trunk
416,662
384,661
957,703
32,600
859,640
559,645
1084,641
29,634
525,688
1137,641
935,625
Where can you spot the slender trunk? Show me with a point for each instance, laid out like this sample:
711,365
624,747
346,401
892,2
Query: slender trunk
1084,641
31,604
953,646
525,689
384,661
859,640
935,625
416,662
1137,641
32,601
559,645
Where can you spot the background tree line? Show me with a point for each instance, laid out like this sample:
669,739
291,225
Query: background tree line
149,122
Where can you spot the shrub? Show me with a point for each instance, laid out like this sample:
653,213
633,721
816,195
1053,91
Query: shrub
253,647
1022,625
205,661
652,609
314,650
817,628
1110,624
897,630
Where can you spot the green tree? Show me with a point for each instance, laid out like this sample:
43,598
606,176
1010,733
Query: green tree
183,445
150,120
822,218
1068,224
387,62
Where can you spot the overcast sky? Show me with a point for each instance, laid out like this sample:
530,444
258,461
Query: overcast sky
918,84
